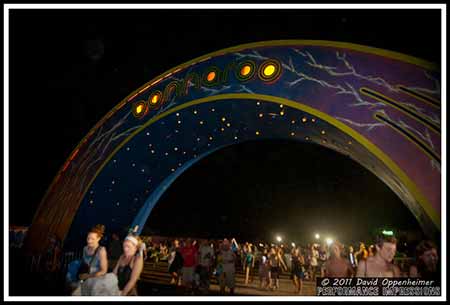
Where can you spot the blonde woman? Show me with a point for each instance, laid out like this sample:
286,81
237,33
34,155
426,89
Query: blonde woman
129,266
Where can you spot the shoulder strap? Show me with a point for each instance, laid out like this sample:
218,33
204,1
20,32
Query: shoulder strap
131,260
94,255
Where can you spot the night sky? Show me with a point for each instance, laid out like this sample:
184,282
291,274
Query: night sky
281,187
68,68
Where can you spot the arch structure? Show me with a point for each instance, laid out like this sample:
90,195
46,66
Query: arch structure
378,107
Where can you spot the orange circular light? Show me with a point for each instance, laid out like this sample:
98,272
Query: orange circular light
140,109
155,99
211,76
245,70
269,70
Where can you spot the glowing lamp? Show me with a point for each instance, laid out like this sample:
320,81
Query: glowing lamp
388,233
269,70
139,109
245,70
211,76
155,99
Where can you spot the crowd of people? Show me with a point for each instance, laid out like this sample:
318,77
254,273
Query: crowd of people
114,268
192,263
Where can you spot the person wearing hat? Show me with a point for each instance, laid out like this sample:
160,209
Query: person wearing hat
130,265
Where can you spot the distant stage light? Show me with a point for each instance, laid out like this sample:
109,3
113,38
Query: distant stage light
279,239
329,241
317,236
388,233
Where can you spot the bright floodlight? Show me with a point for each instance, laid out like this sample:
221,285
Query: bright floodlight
293,244
279,239
329,241
317,236
389,233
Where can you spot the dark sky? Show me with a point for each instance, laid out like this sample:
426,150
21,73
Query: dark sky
68,68
265,188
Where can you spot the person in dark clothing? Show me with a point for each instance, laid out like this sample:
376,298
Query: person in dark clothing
175,263
114,250
298,265
130,265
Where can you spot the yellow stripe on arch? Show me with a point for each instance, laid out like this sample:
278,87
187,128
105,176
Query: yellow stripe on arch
409,184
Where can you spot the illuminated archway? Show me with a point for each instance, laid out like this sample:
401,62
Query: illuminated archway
380,108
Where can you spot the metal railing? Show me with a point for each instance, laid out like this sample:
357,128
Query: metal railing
41,263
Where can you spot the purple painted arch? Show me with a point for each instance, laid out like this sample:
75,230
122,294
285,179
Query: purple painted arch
379,107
